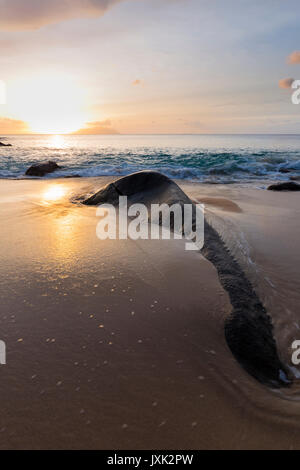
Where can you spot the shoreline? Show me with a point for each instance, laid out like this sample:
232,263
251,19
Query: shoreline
251,183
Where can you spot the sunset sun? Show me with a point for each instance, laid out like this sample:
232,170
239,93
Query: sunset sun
50,104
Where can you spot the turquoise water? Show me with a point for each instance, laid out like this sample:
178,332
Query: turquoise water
208,158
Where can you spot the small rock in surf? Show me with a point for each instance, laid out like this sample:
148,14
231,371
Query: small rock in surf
289,186
41,169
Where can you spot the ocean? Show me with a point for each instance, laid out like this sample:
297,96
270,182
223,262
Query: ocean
203,158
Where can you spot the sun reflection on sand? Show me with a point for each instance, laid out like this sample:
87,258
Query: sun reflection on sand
65,225
64,222
64,230
55,192
61,218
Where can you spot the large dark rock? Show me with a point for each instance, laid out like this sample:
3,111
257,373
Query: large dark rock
248,329
5,145
41,169
147,187
288,186
144,187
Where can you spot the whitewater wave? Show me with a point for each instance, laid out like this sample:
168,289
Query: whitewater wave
191,158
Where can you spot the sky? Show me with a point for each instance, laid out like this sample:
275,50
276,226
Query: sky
149,66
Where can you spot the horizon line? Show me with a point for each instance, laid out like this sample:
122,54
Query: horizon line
144,134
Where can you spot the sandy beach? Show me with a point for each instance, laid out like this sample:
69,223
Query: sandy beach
120,343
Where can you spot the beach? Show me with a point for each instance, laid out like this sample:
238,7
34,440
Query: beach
119,344
150,221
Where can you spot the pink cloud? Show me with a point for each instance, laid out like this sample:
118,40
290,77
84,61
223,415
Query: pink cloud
13,126
137,82
294,58
285,82
97,127
33,14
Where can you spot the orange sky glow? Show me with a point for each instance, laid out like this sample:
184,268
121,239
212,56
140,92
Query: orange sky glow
147,67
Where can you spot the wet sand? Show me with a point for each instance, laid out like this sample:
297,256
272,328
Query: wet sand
120,344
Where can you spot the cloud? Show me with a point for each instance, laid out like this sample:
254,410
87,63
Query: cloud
13,126
285,82
20,15
294,58
97,127
137,82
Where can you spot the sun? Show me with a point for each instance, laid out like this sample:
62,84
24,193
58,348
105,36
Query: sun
49,103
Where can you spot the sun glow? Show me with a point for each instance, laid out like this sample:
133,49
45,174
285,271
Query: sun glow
50,104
